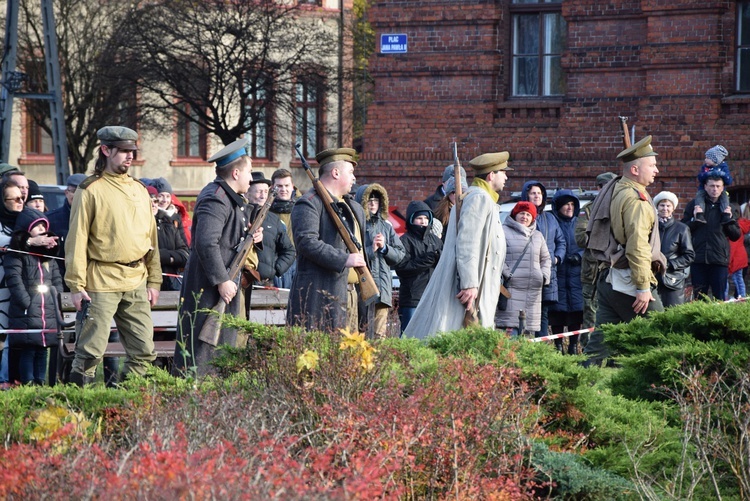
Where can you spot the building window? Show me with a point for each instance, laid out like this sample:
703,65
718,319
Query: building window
258,112
538,40
743,47
38,141
309,2
309,116
191,137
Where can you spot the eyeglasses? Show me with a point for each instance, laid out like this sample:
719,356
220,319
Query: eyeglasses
18,200
373,200
71,189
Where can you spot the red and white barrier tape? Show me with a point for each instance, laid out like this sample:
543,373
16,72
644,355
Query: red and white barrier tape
561,335
591,329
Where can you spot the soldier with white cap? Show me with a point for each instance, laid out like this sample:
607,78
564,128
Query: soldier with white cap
220,225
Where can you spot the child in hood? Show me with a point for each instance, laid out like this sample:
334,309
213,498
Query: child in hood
34,280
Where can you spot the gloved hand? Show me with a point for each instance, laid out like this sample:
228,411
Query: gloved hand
573,259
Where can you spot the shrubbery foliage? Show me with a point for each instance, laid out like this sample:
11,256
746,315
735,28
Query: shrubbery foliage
469,415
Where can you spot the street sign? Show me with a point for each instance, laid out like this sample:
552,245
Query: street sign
393,43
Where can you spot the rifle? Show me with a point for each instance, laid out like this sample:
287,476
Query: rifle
626,142
212,326
471,317
457,177
368,290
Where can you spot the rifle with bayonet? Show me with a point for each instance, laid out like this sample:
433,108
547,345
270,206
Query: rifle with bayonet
368,291
212,326
626,141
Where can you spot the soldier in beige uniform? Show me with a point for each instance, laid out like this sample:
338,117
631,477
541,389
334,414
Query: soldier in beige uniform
112,258
627,284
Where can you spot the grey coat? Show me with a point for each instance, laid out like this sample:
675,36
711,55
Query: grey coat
381,262
532,273
220,224
317,299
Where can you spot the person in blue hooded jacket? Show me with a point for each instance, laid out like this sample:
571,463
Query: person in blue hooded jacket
567,313
547,224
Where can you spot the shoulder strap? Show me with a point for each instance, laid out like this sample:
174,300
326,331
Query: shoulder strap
523,252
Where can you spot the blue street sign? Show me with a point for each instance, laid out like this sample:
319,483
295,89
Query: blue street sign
393,43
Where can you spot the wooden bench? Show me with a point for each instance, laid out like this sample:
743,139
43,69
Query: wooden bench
268,306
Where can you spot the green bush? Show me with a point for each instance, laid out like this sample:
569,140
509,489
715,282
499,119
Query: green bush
575,480
651,350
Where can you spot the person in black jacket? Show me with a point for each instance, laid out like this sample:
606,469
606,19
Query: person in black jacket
711,266
422,252
33,281
677,247
277,254
173,251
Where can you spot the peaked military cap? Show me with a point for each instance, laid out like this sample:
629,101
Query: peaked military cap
334,155
640,149
490,162
230,152
258,177
118,137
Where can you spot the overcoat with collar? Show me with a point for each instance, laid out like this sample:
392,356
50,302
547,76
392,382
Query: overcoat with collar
220,224
317,299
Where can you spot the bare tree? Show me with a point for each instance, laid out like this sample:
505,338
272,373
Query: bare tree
228,66
95,93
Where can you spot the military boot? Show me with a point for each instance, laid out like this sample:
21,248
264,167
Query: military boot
80,379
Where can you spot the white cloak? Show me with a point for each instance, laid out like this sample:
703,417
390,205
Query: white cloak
473,258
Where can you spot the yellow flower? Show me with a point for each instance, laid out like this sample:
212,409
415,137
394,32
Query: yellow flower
307,361
351,340
363,349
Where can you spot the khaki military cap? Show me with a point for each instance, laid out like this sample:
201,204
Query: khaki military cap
230,152
334,155
640,149
118,137
490,162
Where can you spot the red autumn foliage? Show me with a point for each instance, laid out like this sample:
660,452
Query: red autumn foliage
459,434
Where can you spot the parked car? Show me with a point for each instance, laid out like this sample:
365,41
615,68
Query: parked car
54,195
585,196
397,220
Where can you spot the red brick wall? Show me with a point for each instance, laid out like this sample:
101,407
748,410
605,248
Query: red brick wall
666,64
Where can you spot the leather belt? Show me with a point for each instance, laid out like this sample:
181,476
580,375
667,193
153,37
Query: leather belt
132,264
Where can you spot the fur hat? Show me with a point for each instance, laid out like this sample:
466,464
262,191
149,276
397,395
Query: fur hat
450,185
666,195
524,207
449,171
717,154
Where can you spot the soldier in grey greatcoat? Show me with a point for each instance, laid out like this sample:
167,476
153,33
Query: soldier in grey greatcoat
468,275
323,295
220,225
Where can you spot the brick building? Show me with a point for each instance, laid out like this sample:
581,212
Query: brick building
547,81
